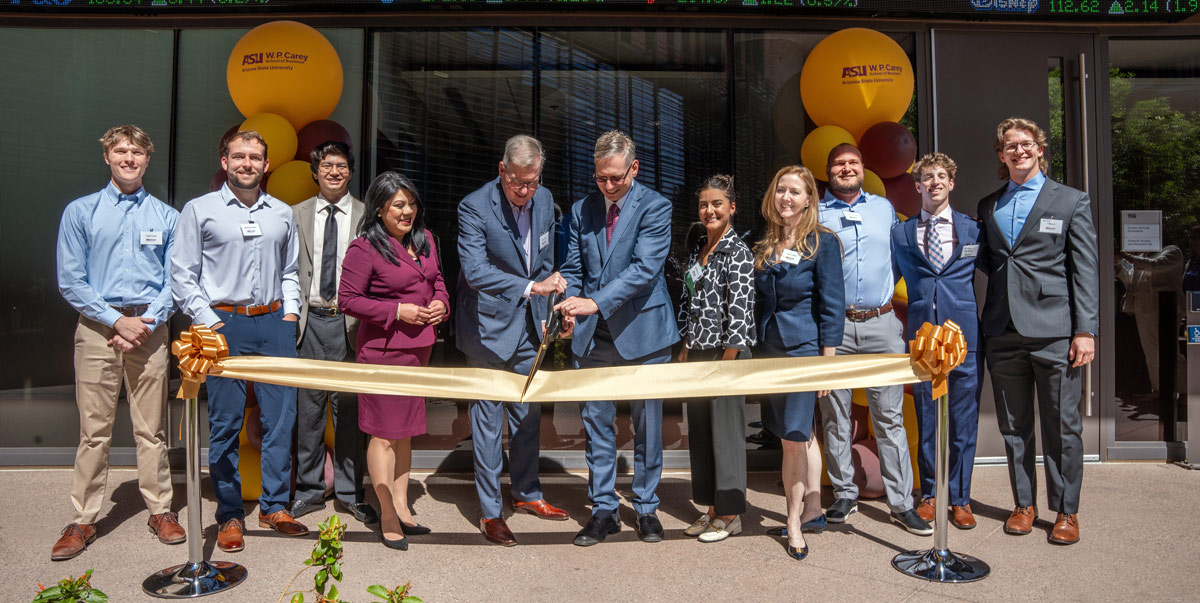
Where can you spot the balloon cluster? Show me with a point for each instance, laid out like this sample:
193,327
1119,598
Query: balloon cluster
286,79
856,85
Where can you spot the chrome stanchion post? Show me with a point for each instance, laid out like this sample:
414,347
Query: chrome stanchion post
197,577
939,564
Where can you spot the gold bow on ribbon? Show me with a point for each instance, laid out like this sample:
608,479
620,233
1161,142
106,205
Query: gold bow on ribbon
199,349
936,351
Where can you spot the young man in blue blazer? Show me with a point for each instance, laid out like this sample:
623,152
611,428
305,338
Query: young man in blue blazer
936,252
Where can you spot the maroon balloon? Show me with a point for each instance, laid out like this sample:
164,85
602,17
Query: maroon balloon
859,418
225,136
902,192
317,132
219,178
865,457
888,149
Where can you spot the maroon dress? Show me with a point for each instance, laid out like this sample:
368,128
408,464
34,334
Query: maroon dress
370,290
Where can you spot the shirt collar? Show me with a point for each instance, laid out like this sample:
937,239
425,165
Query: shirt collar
342,204
1034,183
829,199
946,214
620,203
728,240
228,196
115,193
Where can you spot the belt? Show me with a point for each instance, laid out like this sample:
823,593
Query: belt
326,312
133,311
250,310
864,315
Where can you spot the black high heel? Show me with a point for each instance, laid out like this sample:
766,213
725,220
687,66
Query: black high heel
417,530
398,545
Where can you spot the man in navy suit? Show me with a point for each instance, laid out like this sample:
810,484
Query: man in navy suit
622,314
506,249
936,253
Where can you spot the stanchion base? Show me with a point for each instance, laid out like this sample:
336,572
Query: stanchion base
191,580
941,566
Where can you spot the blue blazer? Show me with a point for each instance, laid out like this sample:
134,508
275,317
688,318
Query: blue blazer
624,278
490,319
807,300
953,287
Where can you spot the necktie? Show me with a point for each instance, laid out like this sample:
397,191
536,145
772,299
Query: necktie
611,222
329,256
933,244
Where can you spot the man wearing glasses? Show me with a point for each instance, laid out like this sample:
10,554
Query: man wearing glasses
619,240
506,250
1039,322
325,225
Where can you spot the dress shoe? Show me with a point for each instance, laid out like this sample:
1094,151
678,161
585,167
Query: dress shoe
597,529
281,521
542,509
361,511
73,541
397,545
912,522
414,530
1066,529
926,509
649,529
961,517
841,509
718,530
1021,521
229,537
166,527
497,531
797,553
815,525
697,528
300,508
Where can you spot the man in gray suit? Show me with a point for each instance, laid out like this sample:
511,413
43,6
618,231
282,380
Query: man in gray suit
506,250
326,224
1039,322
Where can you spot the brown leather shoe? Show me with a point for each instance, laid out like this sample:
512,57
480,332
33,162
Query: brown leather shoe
73,541
542,509
497,531
166,527
1021,521
1066,529
281,521
229,537
961,517
926,509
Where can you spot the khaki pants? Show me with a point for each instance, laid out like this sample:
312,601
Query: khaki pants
99,373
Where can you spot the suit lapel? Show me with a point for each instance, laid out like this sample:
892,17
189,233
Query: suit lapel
505,215
994,232
961,224
910,234
1044,199
305,227
625,217
356,211
595,209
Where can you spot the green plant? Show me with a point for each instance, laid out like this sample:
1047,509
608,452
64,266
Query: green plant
78,590
326,556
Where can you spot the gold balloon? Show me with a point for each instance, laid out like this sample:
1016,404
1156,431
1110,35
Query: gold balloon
856,78
279,134
292,182
287,68
814,153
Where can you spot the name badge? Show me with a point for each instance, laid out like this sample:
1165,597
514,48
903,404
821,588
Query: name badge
543,241
695,271
1050,225
790,256
970,251
852,216
151,237
251,229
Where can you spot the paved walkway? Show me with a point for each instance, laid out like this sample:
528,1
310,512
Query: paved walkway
1139,542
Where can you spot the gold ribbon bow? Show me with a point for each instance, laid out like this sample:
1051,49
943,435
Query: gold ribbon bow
200,350
936,351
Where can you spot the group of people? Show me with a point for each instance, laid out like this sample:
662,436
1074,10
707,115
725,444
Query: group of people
335,278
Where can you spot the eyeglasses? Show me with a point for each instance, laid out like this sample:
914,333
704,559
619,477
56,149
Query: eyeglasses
602,180
1027,145
329,167
520,185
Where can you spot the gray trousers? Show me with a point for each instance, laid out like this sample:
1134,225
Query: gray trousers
325,339
717,446
879,335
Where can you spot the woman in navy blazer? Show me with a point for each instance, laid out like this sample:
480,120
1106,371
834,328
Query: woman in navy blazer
392,283
801,300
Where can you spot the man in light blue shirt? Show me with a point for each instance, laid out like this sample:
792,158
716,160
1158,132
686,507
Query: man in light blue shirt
863,223
234,268
113,247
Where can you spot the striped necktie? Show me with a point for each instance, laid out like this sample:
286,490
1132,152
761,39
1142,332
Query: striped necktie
933,244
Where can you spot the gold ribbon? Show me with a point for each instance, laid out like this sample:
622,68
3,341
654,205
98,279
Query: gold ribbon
758,376
936,351
200,350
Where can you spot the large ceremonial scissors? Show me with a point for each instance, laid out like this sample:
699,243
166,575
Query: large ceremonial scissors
552,329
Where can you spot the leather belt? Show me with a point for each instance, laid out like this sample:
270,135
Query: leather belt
864,315
326,312
133,311
250,310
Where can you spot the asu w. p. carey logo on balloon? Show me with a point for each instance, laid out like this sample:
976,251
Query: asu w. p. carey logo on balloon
871,73
279,59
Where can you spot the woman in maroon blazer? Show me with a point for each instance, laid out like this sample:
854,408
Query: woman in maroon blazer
392,283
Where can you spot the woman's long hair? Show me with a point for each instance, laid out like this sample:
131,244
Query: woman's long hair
806,241
379,195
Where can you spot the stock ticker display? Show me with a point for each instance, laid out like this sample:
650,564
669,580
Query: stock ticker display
1035,10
